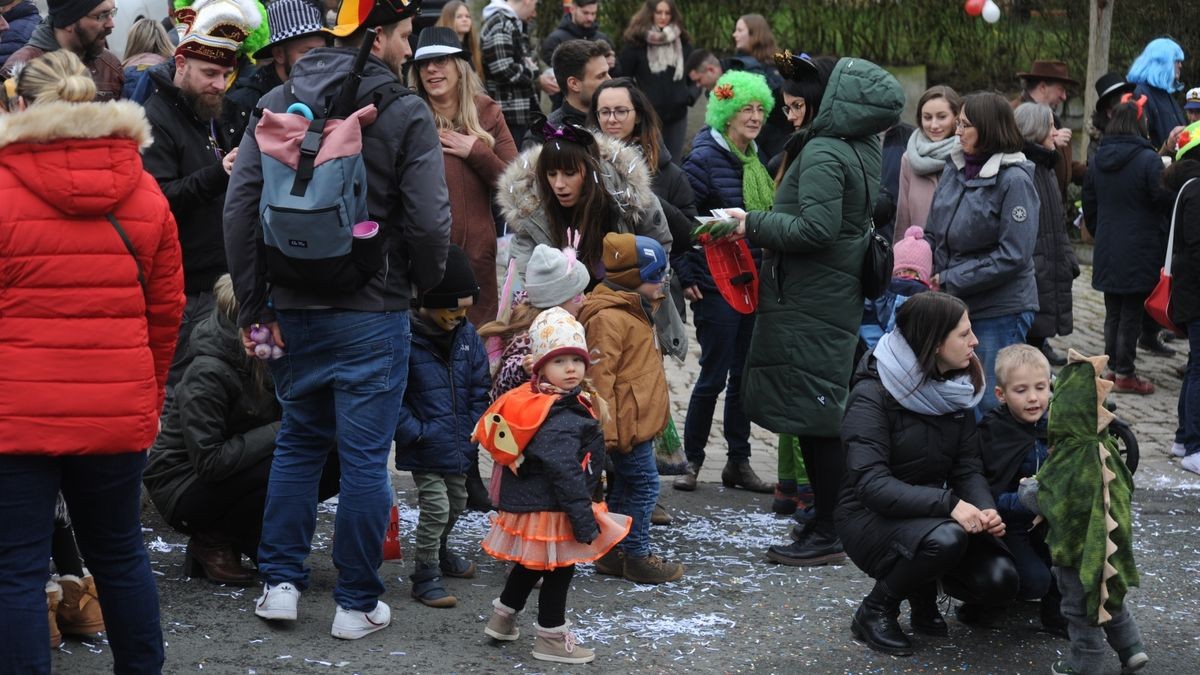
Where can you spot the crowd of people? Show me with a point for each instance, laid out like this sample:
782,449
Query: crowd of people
256,263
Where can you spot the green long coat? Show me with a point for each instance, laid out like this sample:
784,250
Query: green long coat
810,299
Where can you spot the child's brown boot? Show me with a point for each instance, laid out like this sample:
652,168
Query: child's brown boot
53,598
503,624
79,613
558,645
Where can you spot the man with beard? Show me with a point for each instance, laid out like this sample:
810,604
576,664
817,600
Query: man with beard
82,26
192,153
346,353
297,26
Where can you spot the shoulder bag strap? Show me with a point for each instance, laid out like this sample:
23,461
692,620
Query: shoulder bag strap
1171,236
866,186
129,247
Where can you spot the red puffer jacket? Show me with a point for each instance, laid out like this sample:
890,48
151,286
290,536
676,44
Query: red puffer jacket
84,350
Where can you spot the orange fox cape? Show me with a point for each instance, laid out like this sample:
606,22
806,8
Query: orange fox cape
513,420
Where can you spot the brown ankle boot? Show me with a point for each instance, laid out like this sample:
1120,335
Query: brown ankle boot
79,613
652,570
213,557
53,598
740,474
687,480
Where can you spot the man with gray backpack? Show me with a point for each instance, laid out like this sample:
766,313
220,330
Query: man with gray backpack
337,208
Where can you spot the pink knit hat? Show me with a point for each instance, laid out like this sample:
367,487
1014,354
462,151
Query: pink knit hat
913,253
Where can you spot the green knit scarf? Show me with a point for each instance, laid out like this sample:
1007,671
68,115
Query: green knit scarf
758,190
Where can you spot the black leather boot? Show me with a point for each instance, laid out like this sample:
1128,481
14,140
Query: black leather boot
875,623
740,474
923,612
818,545
1153,343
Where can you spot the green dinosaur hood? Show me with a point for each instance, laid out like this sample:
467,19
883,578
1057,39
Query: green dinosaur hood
861,99
1085,489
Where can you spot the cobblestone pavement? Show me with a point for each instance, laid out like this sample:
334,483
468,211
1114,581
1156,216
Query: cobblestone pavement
1153,417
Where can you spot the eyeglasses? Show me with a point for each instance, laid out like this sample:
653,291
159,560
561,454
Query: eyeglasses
963,124
618,114
796,108
434,61
103,17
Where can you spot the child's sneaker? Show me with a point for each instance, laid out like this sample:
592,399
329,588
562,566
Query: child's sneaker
454,565
1133,658
558,645
350,624
1178,449
503,624
278,602
1061,668
1191,462
427,587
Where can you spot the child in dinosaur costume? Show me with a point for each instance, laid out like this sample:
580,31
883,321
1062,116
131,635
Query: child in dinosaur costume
1084,494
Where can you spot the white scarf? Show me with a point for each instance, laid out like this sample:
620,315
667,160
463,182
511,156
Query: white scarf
665,50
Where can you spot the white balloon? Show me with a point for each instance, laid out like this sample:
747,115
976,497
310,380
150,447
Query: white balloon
991,12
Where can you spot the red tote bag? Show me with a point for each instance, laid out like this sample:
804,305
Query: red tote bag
1158,304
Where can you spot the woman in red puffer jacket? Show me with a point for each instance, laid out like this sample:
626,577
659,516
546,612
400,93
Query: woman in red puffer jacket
91,293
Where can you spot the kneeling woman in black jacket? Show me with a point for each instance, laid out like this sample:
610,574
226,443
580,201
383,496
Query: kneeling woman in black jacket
915,507
208,470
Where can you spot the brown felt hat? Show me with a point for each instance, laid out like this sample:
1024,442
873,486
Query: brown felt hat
1054,71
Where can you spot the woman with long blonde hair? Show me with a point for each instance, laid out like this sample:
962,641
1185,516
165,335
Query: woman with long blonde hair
456,15
147,46
476,145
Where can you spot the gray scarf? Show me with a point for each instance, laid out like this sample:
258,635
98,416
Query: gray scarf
903,379
665,50
926,156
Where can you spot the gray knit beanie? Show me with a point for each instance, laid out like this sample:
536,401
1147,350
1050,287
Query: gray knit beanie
553,277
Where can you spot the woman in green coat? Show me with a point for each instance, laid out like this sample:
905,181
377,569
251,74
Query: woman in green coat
810,299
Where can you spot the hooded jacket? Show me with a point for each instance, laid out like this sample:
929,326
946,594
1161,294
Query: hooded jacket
22,19
905,473
406,195
186,161
623,174
1054,264
983,232
1126,208
810,305
219,421
446,395
105,68
1185,291
84,347
627,368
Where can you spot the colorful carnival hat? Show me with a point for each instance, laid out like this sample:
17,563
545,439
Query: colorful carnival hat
355,14
291,19
218,31
1188,140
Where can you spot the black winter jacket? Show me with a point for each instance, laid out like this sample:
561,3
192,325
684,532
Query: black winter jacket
568,30
185,159
1054,262
1124,205
217,423
1009,449
674,191
553,476
905,473
670,97
1185,288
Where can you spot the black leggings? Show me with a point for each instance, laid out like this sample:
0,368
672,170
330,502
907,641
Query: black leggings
825,462
970,568
552,599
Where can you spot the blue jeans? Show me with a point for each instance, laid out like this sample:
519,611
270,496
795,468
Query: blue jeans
1189,395
995,334
724,337
1032,559
634,493
103,493
340,383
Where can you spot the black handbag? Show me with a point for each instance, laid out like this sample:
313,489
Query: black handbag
878,260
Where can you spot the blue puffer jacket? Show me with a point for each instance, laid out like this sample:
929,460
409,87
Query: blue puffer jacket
22,19
442,402
1125,208
716,178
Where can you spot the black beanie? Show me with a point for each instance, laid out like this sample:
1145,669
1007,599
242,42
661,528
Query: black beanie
63,13
458,282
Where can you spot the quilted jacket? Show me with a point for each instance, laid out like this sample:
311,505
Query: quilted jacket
84,347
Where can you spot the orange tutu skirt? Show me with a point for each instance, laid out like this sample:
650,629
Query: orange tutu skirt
544,540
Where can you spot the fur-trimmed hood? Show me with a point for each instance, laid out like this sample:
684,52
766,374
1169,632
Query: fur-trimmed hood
83,158
623,171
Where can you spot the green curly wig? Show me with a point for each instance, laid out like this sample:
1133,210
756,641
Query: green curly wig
733,92
256,40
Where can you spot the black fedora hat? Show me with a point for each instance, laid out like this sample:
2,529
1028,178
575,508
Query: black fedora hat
437,41
1110,84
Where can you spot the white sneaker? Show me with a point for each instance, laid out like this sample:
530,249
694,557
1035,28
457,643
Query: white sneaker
1178,449
352,625
1191,462
278,603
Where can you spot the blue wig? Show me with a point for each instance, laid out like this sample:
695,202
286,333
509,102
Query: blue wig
1155,66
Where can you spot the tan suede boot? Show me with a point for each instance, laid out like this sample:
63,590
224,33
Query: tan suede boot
558,645
503,624
79,613
53,597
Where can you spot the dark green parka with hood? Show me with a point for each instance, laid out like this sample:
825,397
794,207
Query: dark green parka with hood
810,300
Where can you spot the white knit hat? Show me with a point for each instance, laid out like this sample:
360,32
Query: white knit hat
555,332
553,277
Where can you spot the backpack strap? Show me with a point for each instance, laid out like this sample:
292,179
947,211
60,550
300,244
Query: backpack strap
132,251
308,156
